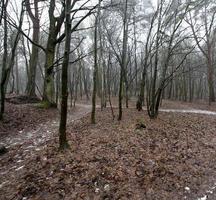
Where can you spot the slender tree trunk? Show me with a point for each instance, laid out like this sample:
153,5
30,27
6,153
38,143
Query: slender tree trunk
76,86
124,60
85,81
17,76
95,73
140,100
80,82
120,94
142,88
108,85
63,144
210,79
4,64
58,77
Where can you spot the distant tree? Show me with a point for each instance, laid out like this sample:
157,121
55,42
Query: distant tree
205,11
34,16
170,18
95,72
8,58
124,57
119,48
55,24
145,64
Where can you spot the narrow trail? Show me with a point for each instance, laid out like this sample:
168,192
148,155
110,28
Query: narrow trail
189,111
44,131
26,143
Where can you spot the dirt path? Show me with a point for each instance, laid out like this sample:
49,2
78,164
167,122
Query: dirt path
26,143
44,131
189,110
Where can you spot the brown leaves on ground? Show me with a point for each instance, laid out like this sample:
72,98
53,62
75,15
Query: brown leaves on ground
22,99
114,160
19,117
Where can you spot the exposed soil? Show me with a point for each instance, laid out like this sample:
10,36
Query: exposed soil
174,157
23,117
29,136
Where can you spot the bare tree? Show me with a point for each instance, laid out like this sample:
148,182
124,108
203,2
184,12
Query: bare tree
208,19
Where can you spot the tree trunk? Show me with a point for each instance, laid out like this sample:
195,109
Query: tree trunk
49,88
210,81
124,59
4,64
95,73
35,51
17,76
63,144
54,29
8,63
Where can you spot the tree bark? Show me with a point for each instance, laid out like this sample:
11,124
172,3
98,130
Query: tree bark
4,63
124,59
63,143
54,29
95,73
34,53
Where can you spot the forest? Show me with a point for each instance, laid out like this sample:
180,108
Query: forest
107,100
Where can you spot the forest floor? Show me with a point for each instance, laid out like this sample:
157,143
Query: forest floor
174,157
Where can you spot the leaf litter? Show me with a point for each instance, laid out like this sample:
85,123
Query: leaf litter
174,157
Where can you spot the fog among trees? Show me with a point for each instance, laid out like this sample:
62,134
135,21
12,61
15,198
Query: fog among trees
107,56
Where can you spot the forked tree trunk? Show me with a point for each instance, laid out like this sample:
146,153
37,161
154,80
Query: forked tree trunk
35,51
54,29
